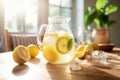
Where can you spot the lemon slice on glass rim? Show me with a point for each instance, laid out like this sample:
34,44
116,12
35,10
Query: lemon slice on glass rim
64,44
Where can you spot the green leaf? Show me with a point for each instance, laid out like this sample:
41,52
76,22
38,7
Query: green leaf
86,15
70,43
89,16
97,22
101,3
111,8
110,23
104,18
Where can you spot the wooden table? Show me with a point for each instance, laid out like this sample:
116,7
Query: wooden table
38,69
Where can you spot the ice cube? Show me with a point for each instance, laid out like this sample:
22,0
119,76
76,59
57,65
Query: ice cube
95,56
103,57
75,64
99,56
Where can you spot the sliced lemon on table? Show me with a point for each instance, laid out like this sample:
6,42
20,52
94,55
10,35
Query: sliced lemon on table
21,54
34,50
64,44
82,51
50,53
80,54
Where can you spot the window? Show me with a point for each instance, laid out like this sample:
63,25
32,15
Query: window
21,15
60,8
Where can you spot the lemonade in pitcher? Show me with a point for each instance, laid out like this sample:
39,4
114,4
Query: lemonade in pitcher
58,42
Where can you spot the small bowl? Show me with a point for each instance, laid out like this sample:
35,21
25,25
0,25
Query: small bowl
106,47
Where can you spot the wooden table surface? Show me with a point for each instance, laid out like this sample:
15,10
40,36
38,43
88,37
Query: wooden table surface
38,69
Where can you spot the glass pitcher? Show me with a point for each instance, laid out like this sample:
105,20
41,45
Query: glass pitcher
58,43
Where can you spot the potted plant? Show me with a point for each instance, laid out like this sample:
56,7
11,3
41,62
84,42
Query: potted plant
100,15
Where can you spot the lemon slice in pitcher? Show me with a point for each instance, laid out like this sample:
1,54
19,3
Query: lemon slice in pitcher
64,44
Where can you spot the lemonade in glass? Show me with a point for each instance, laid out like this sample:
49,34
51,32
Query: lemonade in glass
58,42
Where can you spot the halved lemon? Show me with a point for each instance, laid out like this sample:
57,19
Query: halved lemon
80,54
82,51
21,54
64,44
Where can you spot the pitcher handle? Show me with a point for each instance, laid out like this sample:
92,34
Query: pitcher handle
40,35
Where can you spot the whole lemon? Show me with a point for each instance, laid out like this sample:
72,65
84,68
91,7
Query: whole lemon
34,50
94,46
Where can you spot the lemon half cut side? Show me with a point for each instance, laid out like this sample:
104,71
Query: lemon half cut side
21,54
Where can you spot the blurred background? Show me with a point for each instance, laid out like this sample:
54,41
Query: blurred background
26,16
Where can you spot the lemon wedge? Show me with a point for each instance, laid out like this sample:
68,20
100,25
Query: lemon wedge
82,51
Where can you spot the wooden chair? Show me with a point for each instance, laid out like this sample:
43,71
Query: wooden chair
13,39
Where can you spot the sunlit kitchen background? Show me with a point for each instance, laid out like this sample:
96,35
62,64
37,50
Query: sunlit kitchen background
27,15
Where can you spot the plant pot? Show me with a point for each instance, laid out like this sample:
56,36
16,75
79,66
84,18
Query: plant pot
101,36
